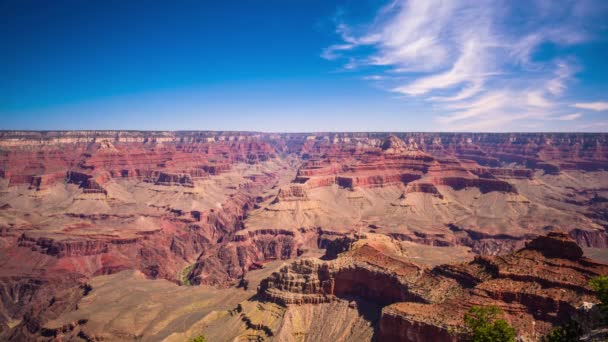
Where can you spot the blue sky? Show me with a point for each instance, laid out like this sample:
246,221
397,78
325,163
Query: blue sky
358,65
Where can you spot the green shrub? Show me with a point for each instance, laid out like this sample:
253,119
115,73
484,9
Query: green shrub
184,275
600,285
571,331
199,338
483,325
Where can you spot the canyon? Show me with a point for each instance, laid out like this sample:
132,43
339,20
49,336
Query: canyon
294,236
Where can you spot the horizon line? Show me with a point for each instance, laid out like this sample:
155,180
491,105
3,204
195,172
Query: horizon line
290,132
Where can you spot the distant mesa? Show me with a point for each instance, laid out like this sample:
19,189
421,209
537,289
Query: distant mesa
392,144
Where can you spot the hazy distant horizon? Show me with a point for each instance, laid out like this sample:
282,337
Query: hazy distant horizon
297,132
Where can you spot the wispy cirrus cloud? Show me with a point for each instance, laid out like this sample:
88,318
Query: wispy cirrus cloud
569,117
475,62
596,106
563,72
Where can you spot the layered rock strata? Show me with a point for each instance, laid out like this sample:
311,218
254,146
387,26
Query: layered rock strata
537,287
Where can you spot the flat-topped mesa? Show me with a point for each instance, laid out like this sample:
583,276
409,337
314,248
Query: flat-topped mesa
462,174
43,182
85,182
414,192
217,168
292,192
484,185
556,245
293,197
427,188
64,248
319,168
174,179
503,173
376,179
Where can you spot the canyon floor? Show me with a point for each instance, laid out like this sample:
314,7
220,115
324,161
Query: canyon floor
164,236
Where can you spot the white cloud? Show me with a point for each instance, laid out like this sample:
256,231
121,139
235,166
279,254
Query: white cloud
473,109
465,93
570,117
492,111
409,38
521,51
469,61
332,52
469,68
597,106
374,77
563,74
537,99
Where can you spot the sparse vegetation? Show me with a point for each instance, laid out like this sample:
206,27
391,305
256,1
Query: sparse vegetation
484,325
566,333
184,275
199,338
600,285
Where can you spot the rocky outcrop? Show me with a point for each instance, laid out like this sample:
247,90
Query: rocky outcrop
31,298
43,182
174,179
363,272
395,326
85,182
65,248
392,144
352,182
588,238
216,169
427,188
246,251
536,283
484,185
556,245
292,192
503,173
